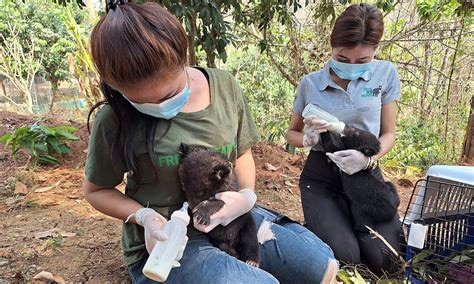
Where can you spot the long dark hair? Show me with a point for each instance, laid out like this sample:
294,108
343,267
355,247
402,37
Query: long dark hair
130,44
358,24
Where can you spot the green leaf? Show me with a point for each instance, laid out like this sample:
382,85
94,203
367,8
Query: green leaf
358,278
48,159
41,147
7,138
46,129
63,149
344,276
30,147
460,258
54,143
69,129
67,135
421,256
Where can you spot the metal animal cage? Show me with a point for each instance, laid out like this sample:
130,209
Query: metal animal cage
439,222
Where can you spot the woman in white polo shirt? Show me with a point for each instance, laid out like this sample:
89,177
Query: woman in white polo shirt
362,92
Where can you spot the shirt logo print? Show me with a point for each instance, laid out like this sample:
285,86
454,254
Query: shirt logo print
371,92
174,160
376,91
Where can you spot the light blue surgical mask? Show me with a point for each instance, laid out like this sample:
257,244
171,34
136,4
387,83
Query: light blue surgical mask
349,71
167,109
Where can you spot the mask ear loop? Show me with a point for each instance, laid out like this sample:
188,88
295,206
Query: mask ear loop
187,78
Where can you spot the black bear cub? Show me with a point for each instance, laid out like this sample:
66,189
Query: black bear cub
203,173
371,199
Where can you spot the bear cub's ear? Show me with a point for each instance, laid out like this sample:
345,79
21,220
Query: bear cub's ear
183,149
186,149
219,172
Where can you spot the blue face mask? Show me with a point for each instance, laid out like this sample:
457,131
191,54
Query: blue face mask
167,109
349,71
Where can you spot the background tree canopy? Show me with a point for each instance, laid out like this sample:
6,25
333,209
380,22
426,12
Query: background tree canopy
269,45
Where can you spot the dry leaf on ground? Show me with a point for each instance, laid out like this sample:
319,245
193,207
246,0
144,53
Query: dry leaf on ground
20,188
270,167
48,277
44,189
53,233
405,182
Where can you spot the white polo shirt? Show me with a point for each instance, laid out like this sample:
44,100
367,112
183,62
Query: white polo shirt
360,106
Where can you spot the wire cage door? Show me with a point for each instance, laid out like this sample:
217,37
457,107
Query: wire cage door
442,210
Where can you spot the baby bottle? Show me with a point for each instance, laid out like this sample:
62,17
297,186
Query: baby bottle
337,126
163,255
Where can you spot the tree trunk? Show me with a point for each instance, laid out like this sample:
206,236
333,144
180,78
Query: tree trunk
210,58
54,94
440,81
29,101
426,79
4,89
468,149
192,34
453,65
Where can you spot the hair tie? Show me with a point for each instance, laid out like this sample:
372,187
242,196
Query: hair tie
112,4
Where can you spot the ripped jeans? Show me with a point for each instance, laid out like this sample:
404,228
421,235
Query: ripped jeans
290,253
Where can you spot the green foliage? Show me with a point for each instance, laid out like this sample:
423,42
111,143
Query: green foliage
418,147
430,10
205,23
54,242
210,22
269,96
40,28
431,61
430,266
40,141
81,59
420,137
348,276
386,5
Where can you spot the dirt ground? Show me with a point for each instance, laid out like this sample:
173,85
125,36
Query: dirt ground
46,225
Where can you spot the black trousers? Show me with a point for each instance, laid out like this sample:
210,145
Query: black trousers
327,214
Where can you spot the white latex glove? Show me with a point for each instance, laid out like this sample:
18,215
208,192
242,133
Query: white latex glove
236,204
154,225
310,138
349,161
313,123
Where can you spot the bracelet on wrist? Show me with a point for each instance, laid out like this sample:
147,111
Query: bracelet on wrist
369,162
373,163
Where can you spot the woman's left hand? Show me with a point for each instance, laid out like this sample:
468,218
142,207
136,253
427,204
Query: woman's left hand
349,161
236,204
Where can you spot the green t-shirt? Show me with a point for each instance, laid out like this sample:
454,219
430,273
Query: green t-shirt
225,125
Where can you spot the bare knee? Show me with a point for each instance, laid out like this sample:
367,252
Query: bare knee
331,272
265,232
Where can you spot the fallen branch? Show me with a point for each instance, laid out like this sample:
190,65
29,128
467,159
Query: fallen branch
377,235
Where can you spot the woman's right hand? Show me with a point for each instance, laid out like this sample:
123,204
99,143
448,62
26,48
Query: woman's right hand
314,123
310,138
312,127
154,224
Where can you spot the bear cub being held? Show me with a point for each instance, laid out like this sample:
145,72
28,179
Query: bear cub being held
203,173
371,199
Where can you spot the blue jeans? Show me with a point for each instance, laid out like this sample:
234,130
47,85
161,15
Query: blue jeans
290,253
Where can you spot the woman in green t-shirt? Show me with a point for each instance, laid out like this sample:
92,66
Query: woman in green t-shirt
154,103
